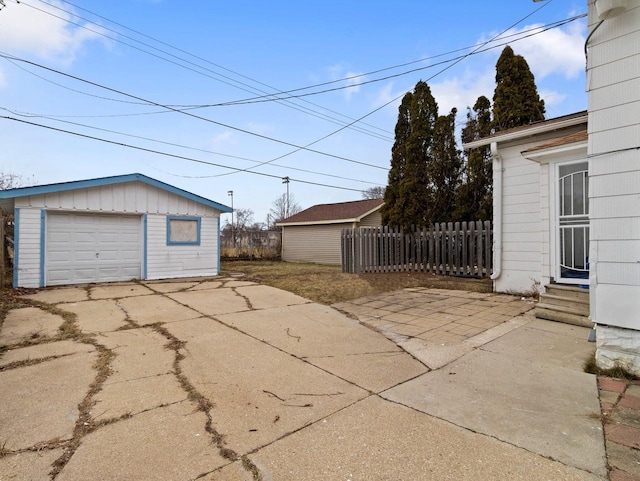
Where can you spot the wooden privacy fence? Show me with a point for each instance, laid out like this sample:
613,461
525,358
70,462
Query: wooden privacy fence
453,249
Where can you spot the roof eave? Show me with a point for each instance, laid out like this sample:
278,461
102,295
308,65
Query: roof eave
535,129
543,154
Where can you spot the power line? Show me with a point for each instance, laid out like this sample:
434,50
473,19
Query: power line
172,144
241,85
150,102
167,154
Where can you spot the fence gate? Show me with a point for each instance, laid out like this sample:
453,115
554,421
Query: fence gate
462,249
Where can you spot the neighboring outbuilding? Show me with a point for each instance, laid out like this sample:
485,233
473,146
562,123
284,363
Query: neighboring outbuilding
111,229
314,235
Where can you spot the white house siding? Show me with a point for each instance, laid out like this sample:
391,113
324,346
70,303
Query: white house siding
28,254
613,85
165,261
319,244
521,221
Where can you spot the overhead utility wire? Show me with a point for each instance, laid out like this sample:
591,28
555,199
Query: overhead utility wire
215,75
271,98
150,102
172,144
546,27
403,94
182,157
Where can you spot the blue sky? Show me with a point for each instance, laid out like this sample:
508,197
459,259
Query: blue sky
155,54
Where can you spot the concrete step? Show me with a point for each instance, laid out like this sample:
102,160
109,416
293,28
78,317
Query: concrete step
561,314
576,306
568,292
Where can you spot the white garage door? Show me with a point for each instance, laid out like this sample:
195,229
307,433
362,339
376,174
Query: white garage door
92,248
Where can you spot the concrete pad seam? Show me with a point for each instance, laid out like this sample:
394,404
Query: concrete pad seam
309,424
33,362
483,434
131,414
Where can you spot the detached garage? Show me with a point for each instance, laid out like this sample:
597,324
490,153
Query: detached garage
314,234
111,229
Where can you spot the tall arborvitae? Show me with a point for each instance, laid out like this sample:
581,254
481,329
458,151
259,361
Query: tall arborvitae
408,197
391,209
444,169
475,200
516,101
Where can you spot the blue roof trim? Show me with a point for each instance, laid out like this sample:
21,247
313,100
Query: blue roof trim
116,179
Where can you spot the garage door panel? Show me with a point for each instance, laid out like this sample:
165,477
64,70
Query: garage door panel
83,248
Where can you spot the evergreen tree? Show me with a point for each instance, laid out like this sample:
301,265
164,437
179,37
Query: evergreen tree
516,101
475,200
444,169
409,195
391,210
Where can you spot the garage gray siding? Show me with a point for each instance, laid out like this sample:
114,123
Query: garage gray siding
319,244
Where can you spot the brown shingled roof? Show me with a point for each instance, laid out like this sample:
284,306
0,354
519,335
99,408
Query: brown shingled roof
349,211
580,136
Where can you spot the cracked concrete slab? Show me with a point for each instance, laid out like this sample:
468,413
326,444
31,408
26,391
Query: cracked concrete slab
28,323
155,308
97,316
117,291
259,392
40,402
41,351
325,338
31,466
201,286
140,353
170,286
212,302
499,393
136,395
164,444
401,444
265,297
59,295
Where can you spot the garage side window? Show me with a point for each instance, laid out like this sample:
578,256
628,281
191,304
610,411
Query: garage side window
183,231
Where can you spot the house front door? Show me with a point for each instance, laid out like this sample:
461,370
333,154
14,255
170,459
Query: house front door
573,223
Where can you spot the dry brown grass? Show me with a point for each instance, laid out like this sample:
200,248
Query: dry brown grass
328,284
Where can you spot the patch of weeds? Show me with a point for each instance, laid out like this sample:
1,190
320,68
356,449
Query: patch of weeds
3,449
618,372
252,468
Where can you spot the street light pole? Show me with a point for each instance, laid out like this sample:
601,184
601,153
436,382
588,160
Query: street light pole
233,236
285,180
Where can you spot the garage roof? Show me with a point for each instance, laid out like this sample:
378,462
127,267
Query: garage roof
102,181
334,213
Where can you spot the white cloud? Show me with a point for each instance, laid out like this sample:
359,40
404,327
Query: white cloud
557,51
462,92
552,98
339,72
223,139
262,129
25,30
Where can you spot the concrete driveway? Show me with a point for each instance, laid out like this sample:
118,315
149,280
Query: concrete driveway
227,380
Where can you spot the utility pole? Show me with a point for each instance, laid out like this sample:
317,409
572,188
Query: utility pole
233,236
285,180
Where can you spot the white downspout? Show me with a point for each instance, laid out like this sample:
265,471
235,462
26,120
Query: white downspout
497,211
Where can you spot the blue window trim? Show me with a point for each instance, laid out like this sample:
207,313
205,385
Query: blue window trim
43,217
16,245
183,243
